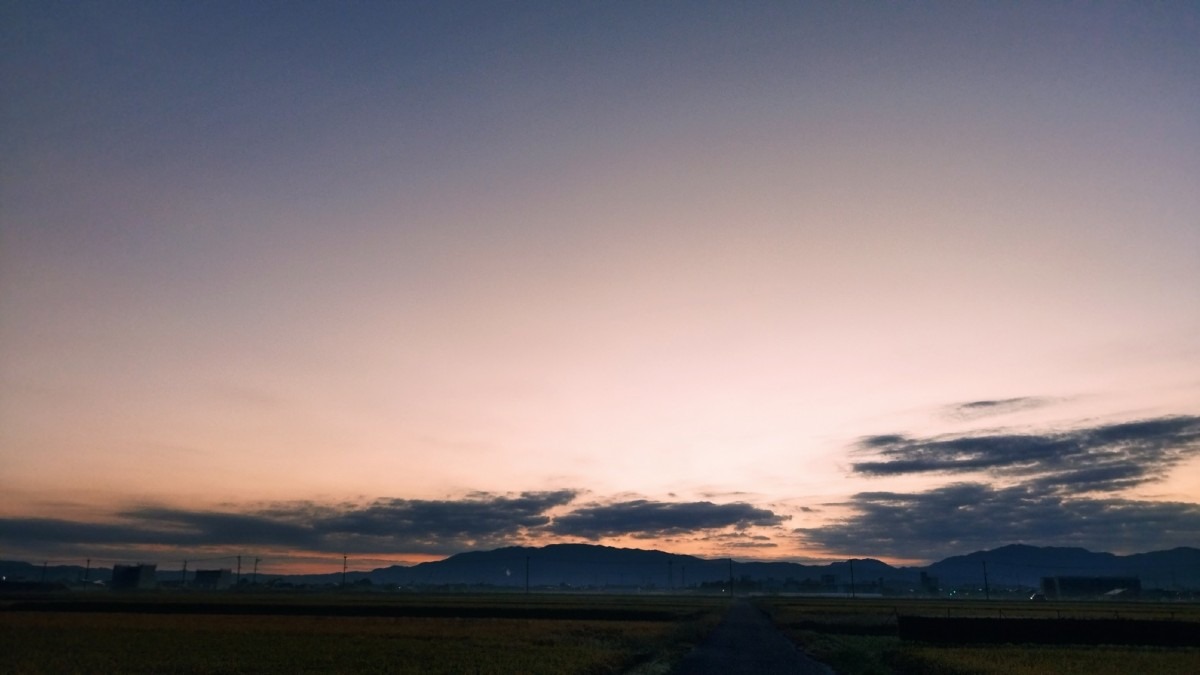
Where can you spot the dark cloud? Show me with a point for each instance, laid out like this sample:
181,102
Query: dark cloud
655,519
1102,458
976,409
477,515
18,531
382,526
967,517
182,527
1105,477
882,441
481,520
476,521
1059,491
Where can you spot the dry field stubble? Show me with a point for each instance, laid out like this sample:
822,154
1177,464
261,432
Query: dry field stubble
92,642
1045,659
857,637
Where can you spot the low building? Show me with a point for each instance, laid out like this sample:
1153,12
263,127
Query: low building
134,577
1091,587
929,584
213,579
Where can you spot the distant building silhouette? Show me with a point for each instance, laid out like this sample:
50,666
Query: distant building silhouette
213,579
1091,587
134,577
929,584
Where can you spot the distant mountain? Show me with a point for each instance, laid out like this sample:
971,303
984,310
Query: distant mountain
11,570
575,565
1023,565
592,566
1178,567
585,565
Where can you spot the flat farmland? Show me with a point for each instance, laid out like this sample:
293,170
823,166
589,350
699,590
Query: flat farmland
538,633
861,637
405,634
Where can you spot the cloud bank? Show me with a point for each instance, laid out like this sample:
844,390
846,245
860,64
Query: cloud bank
650,519
965,517
390,526
479,520
1097,459
1058,488
1055,488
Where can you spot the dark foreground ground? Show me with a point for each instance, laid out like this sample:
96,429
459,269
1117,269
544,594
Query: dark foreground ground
351,634
746,642
553,634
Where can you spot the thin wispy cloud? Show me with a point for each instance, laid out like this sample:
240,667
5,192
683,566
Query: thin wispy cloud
972,410
744,540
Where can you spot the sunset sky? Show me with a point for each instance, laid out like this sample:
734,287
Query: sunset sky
771,280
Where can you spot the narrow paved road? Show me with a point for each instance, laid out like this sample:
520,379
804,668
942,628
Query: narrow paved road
746,642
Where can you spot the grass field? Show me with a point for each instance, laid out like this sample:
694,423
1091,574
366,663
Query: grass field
511,633
64,641
859,638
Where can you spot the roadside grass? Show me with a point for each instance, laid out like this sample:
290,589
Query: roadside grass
849,654
90,642
858,637
1044,660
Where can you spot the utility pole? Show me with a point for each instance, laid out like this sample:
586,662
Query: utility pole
254,577
344,571
987,592
239,572
851,577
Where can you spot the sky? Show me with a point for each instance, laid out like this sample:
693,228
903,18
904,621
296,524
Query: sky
768,280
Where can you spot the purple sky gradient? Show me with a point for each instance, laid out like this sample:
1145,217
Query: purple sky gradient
256,254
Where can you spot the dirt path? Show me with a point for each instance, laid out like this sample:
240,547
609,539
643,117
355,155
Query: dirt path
747,642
